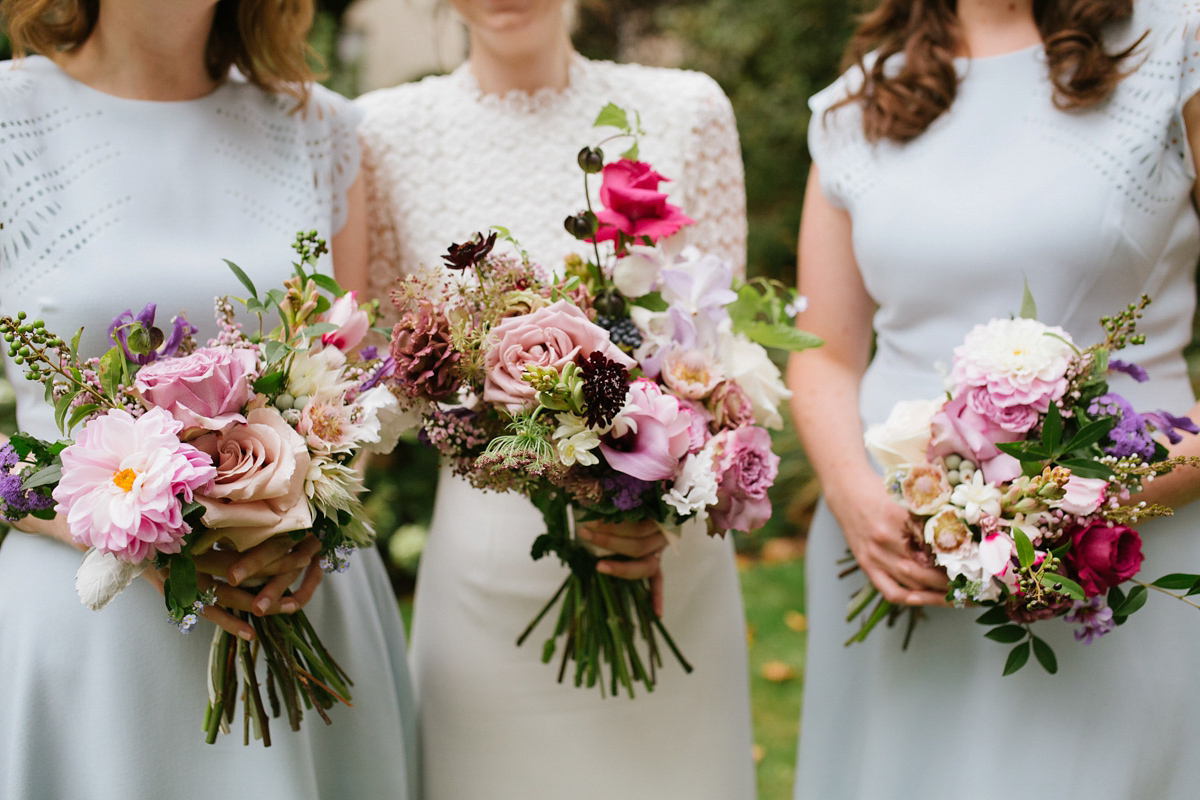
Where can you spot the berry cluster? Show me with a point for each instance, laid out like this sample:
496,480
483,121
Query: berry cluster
622,331
28,342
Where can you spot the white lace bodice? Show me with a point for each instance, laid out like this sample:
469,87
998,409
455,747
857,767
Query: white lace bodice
444,160
109,203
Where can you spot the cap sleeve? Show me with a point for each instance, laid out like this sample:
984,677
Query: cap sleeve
836,141
334,147
1189,75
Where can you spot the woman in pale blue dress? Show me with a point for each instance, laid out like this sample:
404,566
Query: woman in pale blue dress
153,142
995,142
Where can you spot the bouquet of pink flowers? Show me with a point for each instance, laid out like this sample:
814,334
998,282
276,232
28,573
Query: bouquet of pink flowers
1018,483
632,388
186,448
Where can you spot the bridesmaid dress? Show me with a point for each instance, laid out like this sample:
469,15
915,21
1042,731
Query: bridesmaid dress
1093,208
448,160
108,204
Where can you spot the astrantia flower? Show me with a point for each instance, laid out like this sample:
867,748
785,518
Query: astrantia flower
125,481
1022,362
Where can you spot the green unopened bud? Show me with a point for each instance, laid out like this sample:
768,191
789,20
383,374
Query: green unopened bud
591,160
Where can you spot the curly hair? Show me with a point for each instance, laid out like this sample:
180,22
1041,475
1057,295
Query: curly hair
901,103
264,39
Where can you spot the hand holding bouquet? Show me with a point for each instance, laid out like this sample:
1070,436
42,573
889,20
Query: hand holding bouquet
188,450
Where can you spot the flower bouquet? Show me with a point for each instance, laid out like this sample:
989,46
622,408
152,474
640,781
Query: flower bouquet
632,388
185,448
1019,483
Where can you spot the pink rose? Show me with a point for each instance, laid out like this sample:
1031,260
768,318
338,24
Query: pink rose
633,204
731,406
1015,418
1083,495
259,488
206,389
745,469
651,434
1104,555
353,323
959,428
549,337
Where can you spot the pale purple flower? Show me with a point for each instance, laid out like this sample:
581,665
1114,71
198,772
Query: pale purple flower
625,491
118,333
16,501
1130,436
1169,424
1134,371
1094,618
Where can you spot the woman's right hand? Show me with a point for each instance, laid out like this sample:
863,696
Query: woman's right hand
877,530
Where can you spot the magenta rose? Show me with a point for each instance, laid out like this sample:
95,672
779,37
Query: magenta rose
633,204
745,469
960,428
549,337
1104,555
650,436
207,389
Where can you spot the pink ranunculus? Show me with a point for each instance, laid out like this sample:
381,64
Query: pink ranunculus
206,389
1014,419
259,487
651,434
634,205
1104,555
958,428
549,337
125,481
1083,495
745,468
353,323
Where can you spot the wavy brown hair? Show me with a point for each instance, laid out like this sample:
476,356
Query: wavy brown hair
264,39
901,103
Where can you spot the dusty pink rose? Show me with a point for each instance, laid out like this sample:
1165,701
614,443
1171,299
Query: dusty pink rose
651,434
259,488
1104,555
745,469
125,481
206,389
698,429
634,206
549,337
1083,495
958,428
731,406
353,323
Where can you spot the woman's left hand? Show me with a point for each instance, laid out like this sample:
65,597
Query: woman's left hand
641,542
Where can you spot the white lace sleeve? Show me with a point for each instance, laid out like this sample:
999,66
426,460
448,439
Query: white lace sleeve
716,180
333,146
384,244
1189,22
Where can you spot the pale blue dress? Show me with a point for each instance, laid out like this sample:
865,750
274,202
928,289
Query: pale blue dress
108,204
1093,208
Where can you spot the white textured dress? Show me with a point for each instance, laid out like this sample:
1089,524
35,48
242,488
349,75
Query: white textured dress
108,204
449,161
1093,208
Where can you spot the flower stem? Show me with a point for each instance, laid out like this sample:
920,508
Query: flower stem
1179,597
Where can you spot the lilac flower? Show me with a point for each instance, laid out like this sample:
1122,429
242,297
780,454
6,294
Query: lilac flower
1094,618
1132,370
1131,435
126,323
17,502
1169,424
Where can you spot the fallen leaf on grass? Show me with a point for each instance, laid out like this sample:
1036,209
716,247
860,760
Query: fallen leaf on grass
796,621
759,752
778,672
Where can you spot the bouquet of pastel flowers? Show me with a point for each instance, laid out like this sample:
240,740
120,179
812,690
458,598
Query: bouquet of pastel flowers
1020,483
633,387
185,449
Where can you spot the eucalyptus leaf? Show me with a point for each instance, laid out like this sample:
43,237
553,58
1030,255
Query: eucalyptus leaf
1025,551
1045,655
1017,658
243,278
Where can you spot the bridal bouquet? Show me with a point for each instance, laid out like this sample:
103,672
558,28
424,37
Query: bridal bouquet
186,448
1019,483
632,388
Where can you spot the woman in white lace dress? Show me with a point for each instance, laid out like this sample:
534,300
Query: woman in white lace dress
495,144
1054,149
131,163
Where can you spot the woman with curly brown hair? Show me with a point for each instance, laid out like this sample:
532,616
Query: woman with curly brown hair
971,145
147,141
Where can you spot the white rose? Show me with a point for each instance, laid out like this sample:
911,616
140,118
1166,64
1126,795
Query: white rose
904,438
748,365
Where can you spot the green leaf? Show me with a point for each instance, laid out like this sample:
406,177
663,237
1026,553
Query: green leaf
75,342
319,328
243,277
1086,468
612,116
1006,634
274,351
328,284
1025,552
783,337
1069,586
323,304
1194,590
1017,658
270,383
1177,581
996,615
1136,599
1024,451
80,412
111,371
1090,434
1052,427
45,476
62,407
1045,655
181,587
632,153
1028,306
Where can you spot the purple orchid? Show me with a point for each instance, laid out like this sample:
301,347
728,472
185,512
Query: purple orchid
1134,371
125,323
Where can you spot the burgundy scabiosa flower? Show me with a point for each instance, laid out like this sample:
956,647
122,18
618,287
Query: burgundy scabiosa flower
605,387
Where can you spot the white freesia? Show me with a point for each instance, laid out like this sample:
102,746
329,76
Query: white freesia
102,576
748,365
977,498
381,420
696,487
636,274
577,449
903,439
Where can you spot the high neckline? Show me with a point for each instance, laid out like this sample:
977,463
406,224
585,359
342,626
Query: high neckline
520,101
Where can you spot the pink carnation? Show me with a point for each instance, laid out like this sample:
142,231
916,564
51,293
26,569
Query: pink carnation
745,468
651,434
125,481
207,389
